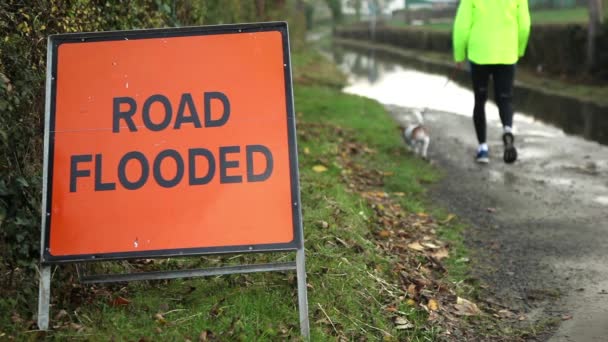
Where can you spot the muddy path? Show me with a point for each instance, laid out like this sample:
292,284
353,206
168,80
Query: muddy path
538,228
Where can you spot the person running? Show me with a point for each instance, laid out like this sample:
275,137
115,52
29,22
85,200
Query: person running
492,35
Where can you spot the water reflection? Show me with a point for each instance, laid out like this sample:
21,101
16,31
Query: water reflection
407,82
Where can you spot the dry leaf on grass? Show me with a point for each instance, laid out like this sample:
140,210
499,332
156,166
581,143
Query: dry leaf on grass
430,245
403,324
160,319
504,313
433,305
449,218
319,168
440,254
411,290
120,301
384,233
466,308
416,246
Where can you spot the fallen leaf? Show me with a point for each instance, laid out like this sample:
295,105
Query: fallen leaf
319,168
448,218
566,317
400,194
416,246
491,210
504,313
401,320
466,308
410,302
440,254
411,290
430,245
433,305
306,150
323,224
423,215
384,233
160,319
403,324
120,301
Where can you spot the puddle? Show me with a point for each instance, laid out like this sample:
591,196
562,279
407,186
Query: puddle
392,80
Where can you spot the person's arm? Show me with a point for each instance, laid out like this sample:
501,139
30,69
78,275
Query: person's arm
523,23
462,29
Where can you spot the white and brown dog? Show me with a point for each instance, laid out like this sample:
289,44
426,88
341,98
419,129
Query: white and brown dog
416,135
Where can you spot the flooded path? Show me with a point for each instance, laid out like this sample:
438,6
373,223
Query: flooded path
540,226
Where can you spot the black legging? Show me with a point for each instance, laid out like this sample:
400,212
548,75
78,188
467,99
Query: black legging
503,76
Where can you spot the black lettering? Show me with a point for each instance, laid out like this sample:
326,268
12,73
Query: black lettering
251,149
192,153
186,101
99,184
75,172
226,164
122,170
179,174
127,115
146,113
209,122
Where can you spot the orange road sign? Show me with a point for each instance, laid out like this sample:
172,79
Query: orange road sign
170,142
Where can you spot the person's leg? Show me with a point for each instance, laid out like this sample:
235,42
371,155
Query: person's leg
503,76
480,75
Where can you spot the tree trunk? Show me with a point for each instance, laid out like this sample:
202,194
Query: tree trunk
259,6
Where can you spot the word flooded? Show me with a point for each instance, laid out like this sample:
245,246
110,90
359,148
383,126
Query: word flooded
197,165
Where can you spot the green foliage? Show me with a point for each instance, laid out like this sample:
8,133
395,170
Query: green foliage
25,26
335,6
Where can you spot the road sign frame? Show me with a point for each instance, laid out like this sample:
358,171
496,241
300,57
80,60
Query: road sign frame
296,245
56,40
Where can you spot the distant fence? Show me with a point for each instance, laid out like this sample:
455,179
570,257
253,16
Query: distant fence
555,49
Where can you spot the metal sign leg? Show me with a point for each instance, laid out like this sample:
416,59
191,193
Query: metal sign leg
302,293
44,297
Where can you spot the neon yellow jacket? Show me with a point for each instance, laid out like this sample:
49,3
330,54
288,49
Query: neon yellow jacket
491,31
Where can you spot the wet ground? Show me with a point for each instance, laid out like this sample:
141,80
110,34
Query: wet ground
539,227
